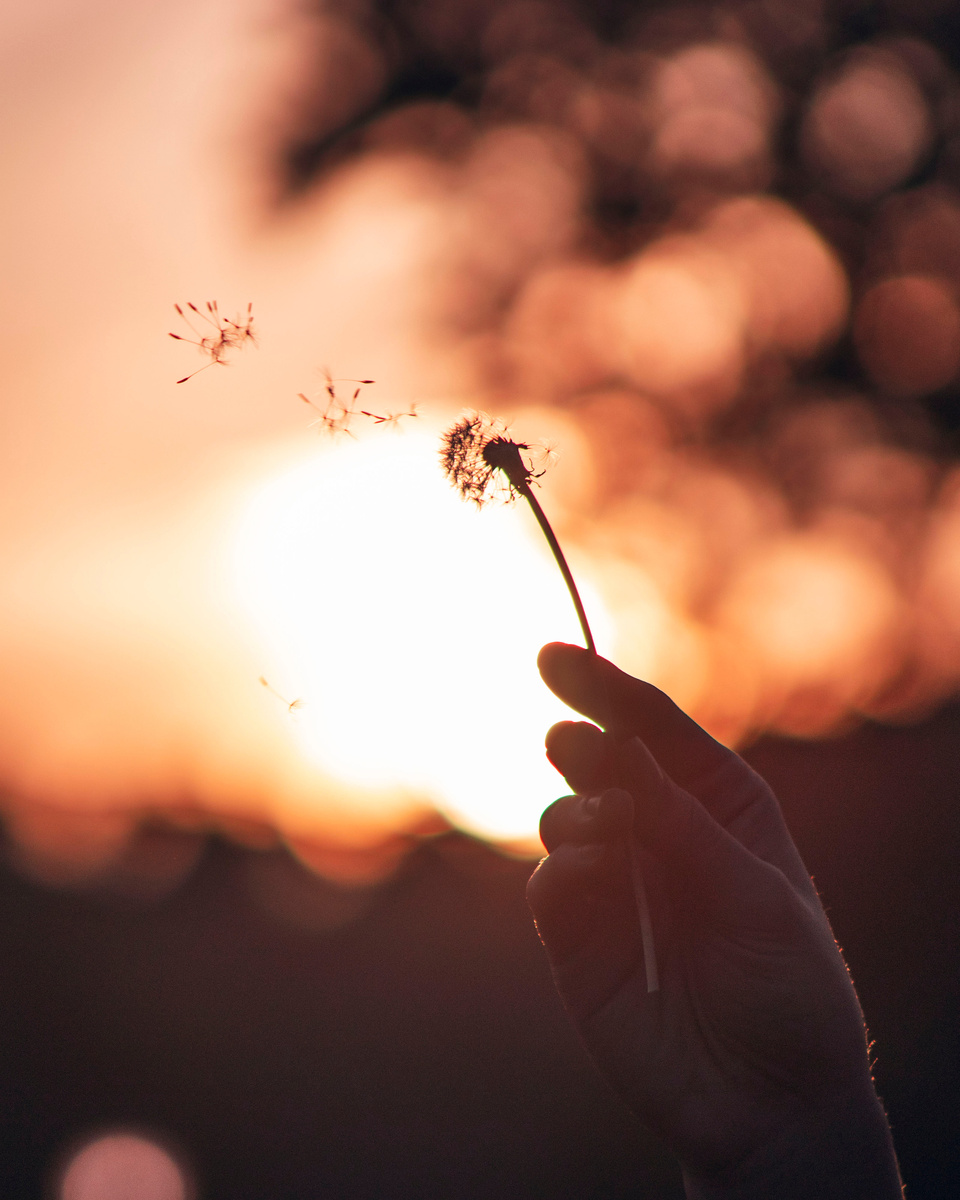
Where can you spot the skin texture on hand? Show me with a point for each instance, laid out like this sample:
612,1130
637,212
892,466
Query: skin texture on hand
751,1061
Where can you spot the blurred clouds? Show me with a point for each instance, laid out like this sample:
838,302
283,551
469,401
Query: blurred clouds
712,252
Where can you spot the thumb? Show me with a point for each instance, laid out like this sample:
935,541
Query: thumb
703,865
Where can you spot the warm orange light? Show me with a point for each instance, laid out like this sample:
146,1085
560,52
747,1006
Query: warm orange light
163,547
715,105
813,614
907,333
409,625
795,289
679,321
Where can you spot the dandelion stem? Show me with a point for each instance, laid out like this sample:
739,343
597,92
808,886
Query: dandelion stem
643,915
472,451
636,871
524,489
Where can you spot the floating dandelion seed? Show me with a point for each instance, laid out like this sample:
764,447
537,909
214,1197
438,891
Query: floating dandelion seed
331,384
226,335
292,705
393,419
484,464
336,414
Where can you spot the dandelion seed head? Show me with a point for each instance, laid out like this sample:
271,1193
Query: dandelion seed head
483,463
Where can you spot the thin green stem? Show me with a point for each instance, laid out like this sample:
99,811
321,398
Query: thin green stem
524,489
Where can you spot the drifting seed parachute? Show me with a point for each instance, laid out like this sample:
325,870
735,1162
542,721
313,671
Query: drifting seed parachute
227,334
337,414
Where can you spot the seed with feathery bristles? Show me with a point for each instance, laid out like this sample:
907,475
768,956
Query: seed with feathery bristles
478,460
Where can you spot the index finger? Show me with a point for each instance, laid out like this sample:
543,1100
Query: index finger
628,707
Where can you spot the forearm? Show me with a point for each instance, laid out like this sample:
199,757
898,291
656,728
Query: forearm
844,1152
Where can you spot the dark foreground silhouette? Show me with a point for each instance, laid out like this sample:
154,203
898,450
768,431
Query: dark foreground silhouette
751,1060
298,1039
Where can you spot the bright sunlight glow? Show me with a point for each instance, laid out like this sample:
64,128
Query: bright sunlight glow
408,624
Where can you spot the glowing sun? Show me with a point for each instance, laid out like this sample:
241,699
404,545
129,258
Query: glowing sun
408,625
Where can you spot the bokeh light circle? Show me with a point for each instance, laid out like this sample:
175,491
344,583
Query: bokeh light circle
907,333
123,1166
867,128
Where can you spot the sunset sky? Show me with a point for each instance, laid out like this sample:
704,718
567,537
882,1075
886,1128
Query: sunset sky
710,263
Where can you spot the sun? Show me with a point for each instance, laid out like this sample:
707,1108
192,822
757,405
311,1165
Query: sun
408,625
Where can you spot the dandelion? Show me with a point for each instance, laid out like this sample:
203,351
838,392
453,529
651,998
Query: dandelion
483,464
216,334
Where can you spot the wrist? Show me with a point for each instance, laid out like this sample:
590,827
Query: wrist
840,1151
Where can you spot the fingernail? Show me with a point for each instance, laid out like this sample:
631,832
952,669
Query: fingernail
591,805
591,853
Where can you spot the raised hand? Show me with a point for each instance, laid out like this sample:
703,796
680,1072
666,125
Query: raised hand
751,1059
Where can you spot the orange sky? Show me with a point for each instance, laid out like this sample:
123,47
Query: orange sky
162,547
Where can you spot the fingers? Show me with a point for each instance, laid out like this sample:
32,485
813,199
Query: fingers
580,899
556,888
705,867
583,755
626,706
580,894
731,792
582,820
702,861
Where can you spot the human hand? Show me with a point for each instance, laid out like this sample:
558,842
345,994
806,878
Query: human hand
751,1060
